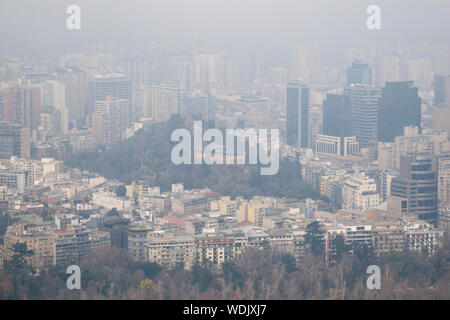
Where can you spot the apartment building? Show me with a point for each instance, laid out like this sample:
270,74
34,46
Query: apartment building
189,204
1,258
444,220
360,193
352,234
387,237
170,252
72,245
423,238
16,180
214,249
137,242
42,244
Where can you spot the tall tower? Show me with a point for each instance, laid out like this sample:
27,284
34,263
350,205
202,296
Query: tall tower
337,112
399,107
297,114
359,73
418,183
114,85
165,101
364,100
75,82
14,141
21,105
110,120
442,90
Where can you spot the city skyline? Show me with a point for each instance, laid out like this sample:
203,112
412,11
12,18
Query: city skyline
224,150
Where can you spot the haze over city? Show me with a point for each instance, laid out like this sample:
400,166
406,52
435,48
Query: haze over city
224,150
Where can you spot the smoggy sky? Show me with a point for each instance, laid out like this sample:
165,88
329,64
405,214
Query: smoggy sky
260,23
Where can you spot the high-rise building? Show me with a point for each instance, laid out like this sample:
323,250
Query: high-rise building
54,95
166,101
213,64
419,71
75,82
444,181
297,114
418,183
364,122
51,120
14,141
306,63
110,120
442,90
388,70
359,73
21,105
337,112
277,76
386,177
197,105
103,85
399,107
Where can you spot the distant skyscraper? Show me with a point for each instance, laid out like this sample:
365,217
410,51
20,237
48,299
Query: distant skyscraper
419,71
51,120
214,65
54,95
166,101
110,120
297,113
337,126
197,105
399,107
364,100
21,105
388,69
114,85
306,63
359,73
14,141
418,183
277,76
337,113
442,90
75,82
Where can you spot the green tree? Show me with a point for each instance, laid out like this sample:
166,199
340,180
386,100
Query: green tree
341,247
201,276
112,213
121,191
314,239
18,261
289,262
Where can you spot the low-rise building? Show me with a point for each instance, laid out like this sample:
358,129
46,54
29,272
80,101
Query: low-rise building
444,220
387,237
72,245
423,238
189,204
109,201
42,244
